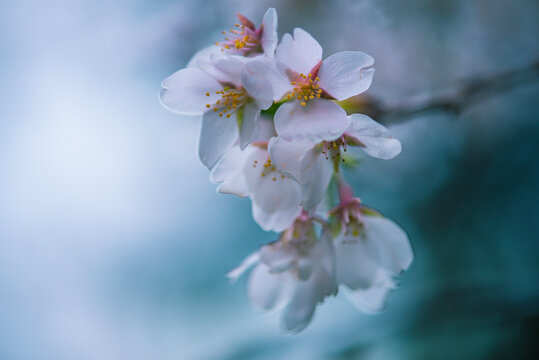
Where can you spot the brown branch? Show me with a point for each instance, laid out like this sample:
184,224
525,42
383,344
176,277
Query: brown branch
455,100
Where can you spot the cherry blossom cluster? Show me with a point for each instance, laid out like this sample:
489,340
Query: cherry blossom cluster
272,130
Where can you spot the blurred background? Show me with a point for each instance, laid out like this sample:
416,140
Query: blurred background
114,244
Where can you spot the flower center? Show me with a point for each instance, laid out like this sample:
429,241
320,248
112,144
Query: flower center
230,101
305,88
349,217
241,39
300,237
332,149
354,230
268,169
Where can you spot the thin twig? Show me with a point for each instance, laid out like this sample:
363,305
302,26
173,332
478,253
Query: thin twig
464,94
455,99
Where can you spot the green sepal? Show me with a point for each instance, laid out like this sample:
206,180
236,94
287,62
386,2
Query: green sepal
334,226
239,117
272,109
370,212
350,161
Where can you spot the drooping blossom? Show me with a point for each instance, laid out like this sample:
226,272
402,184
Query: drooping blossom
228,98
311,161
295,273
244,40
308,85
275,197
370,251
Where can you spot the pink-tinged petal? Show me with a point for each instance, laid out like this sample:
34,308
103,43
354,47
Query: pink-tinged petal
249,124
308,293
276,198
316,173
287,155
356,261
269,32
184,92
228,172
245,265
265,68
343,75
393,247
217,135
373,299
224,68
277,256
267,290
246,22
204,54
377,140
300,53
319,120
256,84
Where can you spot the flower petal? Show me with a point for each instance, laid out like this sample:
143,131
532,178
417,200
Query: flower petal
287,155
300,53
269,32
325,253
266,69
245,265
205,53
267,290
249,124
277,256
299,312
316,173
373,299
319,120
276,197
265,129
229,175
377,140
356,261
256,84
394,250
184,92
224,68
342,75
217,135
276,207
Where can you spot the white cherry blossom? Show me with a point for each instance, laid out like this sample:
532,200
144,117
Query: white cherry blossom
309,84
311,162
295,273
370,251
275,197
244,39
216,91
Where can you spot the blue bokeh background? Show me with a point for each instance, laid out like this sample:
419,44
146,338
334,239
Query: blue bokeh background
114,244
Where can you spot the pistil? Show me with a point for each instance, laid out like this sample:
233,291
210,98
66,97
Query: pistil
305,88
231,100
